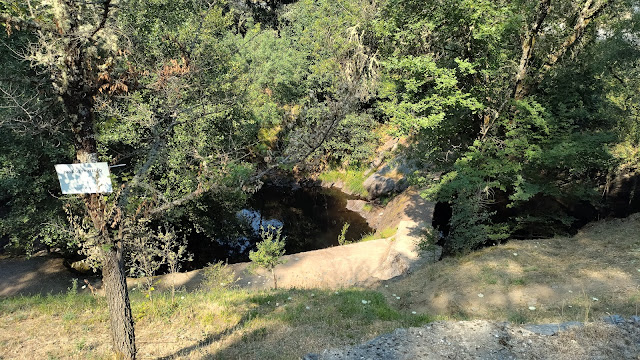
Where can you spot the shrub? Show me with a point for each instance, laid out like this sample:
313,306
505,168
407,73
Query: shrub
342,237
269,251
218,276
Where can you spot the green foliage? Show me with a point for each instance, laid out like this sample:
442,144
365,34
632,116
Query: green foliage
427,242
512,166
354,142
29,214
352,179
341,237
218,276
200,97
269,251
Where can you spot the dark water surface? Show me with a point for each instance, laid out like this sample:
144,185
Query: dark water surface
312,218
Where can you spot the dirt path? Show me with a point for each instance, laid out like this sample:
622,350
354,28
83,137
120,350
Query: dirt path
40,274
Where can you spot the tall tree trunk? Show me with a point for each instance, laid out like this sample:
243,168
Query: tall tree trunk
79,104
114,280
520,88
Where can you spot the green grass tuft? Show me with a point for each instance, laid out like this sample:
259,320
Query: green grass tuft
351,178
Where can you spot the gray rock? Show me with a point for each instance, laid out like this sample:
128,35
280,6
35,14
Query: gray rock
635,319
401,185
356,205
378,186
613,319
376,162
551,329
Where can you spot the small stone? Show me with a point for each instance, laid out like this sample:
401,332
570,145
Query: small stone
595,299
364,302
289,298
614,319
312,295
394,295
532,308
398,297
480,295
248,282
515,254
413,312
182,297
308,308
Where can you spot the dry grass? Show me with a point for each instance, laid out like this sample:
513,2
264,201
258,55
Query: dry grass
585,277
226,324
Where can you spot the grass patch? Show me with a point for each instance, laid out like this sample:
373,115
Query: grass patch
382,234
351,178
218,323
388,232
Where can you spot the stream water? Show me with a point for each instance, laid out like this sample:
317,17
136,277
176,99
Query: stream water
311,219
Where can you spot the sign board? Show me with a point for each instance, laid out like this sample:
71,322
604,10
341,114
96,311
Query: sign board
84,178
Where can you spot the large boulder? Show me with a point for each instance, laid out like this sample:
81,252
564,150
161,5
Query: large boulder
378,185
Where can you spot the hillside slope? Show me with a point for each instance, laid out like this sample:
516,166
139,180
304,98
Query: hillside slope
585,277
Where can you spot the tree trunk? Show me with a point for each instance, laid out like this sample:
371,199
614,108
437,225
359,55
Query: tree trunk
114,280
275,279
528,43
79,105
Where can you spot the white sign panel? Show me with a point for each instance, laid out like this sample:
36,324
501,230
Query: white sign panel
85,178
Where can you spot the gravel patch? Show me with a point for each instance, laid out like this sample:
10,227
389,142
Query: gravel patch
498,340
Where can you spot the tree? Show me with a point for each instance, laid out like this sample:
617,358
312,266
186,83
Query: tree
170,123
269,251
506,99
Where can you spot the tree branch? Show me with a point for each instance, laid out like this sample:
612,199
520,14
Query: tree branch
106,6
528,43
589,12
177,202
